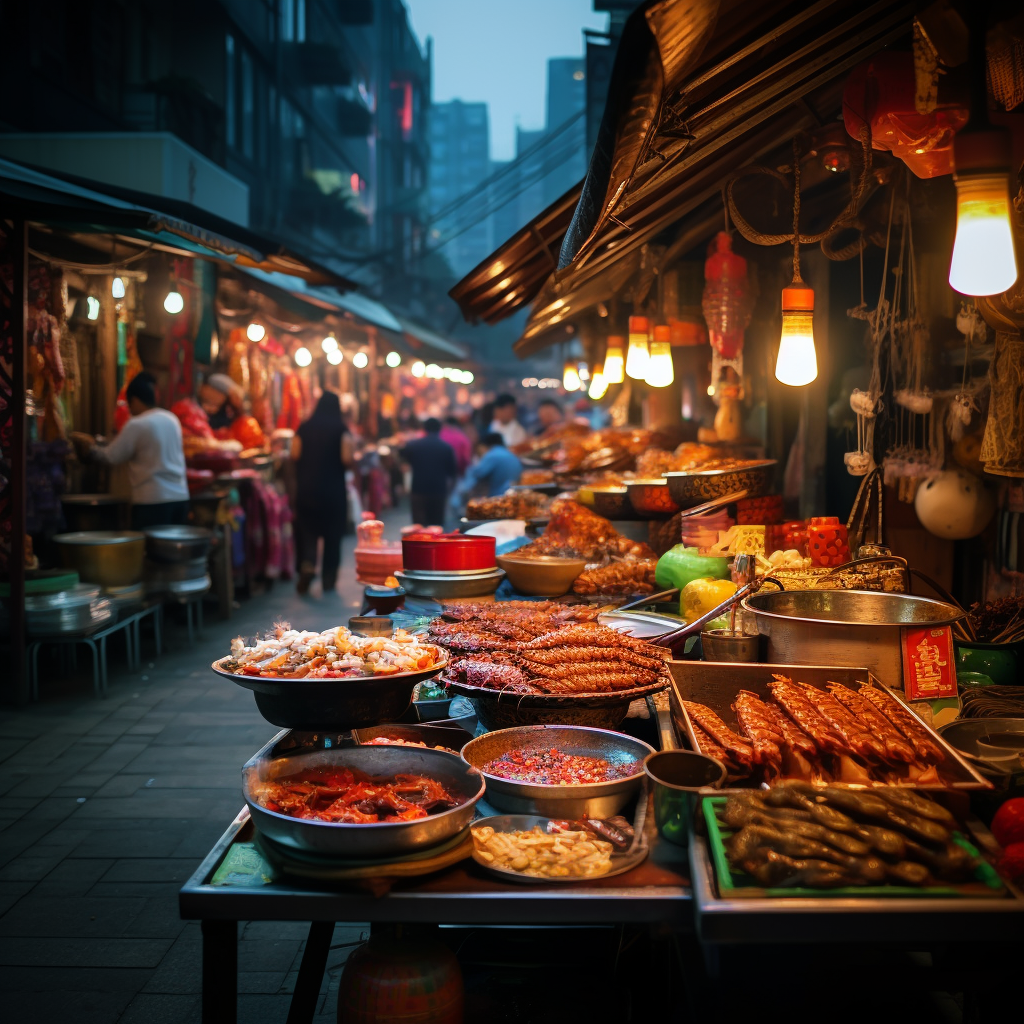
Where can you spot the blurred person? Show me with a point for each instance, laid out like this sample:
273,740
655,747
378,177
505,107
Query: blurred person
549,416
453,434
150,442
322,450
222,400
493,473
434,471
505,422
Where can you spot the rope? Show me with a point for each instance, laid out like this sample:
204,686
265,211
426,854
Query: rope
796,213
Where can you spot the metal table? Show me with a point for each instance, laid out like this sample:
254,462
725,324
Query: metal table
655,892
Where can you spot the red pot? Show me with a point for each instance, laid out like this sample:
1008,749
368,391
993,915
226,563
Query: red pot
447,552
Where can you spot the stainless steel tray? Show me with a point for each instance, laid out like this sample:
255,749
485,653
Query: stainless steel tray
715,684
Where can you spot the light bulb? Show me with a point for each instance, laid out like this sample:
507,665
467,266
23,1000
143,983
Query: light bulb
571,376
797,363
393,359
434,372
360,360
598,386
92,307
614,366
303,357
117,287
334,356
584,373
638,355
659,369
983,260
419,368
468,377
329,344
255,332
174,303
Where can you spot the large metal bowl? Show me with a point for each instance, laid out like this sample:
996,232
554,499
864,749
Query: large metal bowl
692,488
383,839
174,544
110,558
600,800
844,627
451,587
316,705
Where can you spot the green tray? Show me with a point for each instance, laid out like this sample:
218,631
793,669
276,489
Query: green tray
736,884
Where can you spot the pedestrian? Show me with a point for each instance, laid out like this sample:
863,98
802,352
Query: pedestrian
452,433
150,442
549,416
322,450
493,473
505,422
434,470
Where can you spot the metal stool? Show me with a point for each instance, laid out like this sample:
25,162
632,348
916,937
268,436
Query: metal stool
96,642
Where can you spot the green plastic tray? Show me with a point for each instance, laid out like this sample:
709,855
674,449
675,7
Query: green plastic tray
736,884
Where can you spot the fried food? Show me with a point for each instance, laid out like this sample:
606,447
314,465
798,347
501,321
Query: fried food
510,505
629,578
575,532
561,855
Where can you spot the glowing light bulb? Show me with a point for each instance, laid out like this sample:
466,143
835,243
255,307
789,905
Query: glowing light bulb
303,357
255,332
117,287
983,260
92,307
660,372
419,368
329,344
468,377
598,386
334,357
571,376
638,355
614,365
360,360
393,359
434,372
174,303
797,363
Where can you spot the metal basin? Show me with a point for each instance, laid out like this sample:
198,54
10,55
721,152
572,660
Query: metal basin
173,544
111,558
451,587
383,839
691,488
844,627
600,800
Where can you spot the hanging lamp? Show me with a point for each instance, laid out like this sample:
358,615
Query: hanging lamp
614,361
598,383
638,355
571,375
660,372
797,362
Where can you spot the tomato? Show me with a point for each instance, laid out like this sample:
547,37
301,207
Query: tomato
1008,823
1011,864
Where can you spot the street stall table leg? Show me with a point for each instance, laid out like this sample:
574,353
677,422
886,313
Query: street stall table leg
220,972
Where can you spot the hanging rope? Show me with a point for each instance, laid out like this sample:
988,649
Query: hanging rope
796,213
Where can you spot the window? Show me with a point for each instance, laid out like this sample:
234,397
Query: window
300,21
229,90
248,106
287,8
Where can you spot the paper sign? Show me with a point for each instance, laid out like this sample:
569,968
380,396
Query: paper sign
929,671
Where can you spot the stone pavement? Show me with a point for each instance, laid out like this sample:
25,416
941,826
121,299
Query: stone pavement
107,806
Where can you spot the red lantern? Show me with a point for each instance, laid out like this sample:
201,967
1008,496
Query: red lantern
882,91
726,301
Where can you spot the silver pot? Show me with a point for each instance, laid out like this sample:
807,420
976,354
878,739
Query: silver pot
451,587
858,628
174,544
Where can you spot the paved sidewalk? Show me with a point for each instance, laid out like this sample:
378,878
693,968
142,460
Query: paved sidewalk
107,806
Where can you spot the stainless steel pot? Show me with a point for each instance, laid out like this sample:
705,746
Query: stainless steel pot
110,558
174,544
844,627
443,588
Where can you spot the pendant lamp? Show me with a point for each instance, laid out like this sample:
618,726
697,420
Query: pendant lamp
638,355
571,375
598,384
660,372
614,363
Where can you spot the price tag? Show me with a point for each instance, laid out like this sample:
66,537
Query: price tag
929,671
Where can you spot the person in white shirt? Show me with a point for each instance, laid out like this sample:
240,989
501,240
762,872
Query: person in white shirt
505,422
150,442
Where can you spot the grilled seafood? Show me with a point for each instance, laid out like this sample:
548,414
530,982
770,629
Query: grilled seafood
924,746
896,747
618,578
756,721
349,796
855,734
792,699
737,749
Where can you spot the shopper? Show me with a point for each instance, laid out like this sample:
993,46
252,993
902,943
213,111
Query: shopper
322,450
150,442
453,434
434,470
493,473
505,422
549,416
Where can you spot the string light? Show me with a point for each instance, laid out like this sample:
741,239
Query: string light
393,359
329,344
117,288
255,332
638,355
360,360
92,307
434,372
334,357
614,364
174,303
419,368
303,357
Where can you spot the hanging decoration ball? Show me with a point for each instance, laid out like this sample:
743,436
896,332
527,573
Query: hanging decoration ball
954,504
726,300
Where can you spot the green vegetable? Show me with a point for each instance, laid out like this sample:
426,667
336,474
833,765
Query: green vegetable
681,565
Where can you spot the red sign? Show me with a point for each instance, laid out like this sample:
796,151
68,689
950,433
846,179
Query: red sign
929,671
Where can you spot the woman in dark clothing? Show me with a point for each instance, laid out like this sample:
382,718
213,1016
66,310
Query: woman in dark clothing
322,449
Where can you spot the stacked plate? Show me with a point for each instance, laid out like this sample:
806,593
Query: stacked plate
449,567
78,610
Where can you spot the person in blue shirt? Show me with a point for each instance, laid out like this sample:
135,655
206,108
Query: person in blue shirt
493,473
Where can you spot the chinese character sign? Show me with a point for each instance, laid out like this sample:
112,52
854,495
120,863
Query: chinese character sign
929,671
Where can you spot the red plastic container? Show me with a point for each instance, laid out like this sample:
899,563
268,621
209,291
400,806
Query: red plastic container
827,541
447,552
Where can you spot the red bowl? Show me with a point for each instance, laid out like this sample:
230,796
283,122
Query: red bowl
448,552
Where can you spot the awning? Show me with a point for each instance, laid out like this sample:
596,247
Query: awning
699,89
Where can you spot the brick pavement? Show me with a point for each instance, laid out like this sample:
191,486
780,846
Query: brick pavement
107,806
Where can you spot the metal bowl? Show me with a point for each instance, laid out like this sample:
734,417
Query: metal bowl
612,503
177,543
652,498
451,587
692,488
542,575
316,705
600,800
382,839
110,558
858,628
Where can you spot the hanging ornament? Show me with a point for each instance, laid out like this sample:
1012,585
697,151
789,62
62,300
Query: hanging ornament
962,406
726,300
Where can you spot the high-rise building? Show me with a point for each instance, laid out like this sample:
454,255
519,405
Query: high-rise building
566,109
